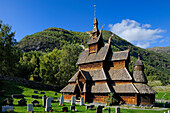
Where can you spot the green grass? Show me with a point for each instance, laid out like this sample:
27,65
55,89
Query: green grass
163,95
14,88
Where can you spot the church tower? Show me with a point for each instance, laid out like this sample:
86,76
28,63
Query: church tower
95,41
138,73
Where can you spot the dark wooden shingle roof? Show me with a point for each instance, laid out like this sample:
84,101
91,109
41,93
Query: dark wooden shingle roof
97,74
119,74
124,88
74,77
144,88
121,55
139,76
85,57
94,40
100,88
69,88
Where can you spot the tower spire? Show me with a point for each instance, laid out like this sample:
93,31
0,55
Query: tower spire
95,31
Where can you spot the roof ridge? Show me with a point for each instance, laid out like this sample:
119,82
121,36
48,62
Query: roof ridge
135,88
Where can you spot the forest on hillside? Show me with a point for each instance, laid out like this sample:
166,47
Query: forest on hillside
50,56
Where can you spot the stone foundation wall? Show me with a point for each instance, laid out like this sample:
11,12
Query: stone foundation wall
28,83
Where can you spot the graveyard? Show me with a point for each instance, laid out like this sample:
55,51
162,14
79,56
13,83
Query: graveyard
30,97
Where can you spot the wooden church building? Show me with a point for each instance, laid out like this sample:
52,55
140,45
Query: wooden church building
102,71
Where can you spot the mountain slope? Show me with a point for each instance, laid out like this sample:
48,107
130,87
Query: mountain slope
156,65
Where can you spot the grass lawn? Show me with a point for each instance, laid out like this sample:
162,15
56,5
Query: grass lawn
14,88
163,95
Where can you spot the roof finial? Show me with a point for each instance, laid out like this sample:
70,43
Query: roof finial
138,56
94,10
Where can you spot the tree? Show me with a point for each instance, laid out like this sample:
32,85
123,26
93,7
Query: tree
8,54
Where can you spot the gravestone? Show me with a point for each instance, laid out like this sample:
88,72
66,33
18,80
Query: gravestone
48,104
168,111
72,108
99,109
109,110
44,100
5,108
82,101
73,100
42,92
117,109
55,93
18,96
62,100
22,102
34,96
30,107
8,101
35,91
65,109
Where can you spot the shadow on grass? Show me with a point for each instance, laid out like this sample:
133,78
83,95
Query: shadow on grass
10,88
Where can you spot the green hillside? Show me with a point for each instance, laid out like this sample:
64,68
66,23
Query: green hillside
156,65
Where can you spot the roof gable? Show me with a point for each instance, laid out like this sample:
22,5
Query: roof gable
119,74
85,57
121,55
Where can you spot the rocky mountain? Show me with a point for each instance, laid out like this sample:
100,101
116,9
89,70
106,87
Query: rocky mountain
156,65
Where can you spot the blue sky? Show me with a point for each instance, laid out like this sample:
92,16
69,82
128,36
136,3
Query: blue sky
145,23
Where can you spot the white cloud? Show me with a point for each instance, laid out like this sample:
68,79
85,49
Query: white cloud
140,34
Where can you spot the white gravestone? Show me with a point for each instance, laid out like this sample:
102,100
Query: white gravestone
30,107
48,104
81,101
168,111
5,108
61,100
73,100
117,109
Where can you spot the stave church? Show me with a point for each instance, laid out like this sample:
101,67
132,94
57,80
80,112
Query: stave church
102,72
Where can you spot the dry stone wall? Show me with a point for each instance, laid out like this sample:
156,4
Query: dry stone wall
28,83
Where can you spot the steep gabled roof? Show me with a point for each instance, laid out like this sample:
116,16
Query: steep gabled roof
73,79
94,40
97,74
69,88
138,62
125,88
121,55
100,88
144,88
139,76
119,74
85,57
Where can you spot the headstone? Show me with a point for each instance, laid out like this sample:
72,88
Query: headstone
8,101
48,104
62,100
18,96
117,109
65,109
55,93
168,111
30,107
81,101
44,100
42,92
22,102
73,100
99,109
35,102
34,96
109,110
5,108
35,91
72,108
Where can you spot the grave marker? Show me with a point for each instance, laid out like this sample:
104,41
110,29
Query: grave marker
5,108
44,100
30,107
73,100
48,104
81,101
62,100
117,109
